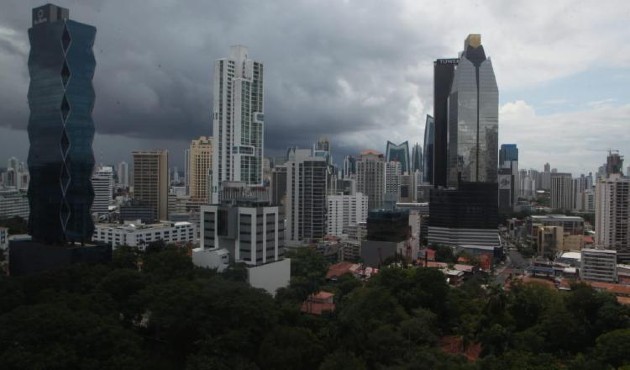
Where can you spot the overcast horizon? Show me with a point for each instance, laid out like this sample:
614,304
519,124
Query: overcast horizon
357,72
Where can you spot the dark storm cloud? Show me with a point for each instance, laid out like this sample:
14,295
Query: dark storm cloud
328,65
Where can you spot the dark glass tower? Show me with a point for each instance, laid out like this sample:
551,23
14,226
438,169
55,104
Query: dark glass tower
429,149
398,153
416,158
443,72
61,97
508,152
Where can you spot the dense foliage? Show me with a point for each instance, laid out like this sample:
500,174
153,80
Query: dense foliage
172,315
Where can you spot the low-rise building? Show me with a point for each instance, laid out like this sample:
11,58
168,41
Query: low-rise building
14,203
138,234
599,265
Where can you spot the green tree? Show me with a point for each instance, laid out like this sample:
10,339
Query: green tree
612,347
342,360
290,348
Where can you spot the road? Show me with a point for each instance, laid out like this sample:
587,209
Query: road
515,263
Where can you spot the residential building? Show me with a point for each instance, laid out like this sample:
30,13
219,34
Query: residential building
123,174
150,180
371,177
392,184
612,215
140,235
238,121
345,210
561,191
200,165
61,96
306,196
103,184
599,265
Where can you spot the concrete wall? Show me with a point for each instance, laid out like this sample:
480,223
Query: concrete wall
270,276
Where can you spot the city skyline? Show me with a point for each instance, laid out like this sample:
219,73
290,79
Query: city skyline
151,89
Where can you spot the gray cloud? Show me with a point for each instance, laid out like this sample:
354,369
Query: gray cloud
344,69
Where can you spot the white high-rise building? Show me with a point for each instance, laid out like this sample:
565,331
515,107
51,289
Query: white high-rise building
371,177
237,121
345,210
103,184
123,174
612,215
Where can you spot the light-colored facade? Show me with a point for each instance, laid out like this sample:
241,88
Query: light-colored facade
150,180
123,174
251,234
200,164
473,118
305,206
13,203
137,234
238,121
393,172
371,177
599,265
612,215
345,210
103,184
561,191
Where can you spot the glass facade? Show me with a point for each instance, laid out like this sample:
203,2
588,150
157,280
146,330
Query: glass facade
416,158
443,71
508,152
61,98
473,118
429,144
399,153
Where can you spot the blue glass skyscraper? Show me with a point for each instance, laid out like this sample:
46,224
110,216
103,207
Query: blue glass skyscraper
398,153
61,98
508,152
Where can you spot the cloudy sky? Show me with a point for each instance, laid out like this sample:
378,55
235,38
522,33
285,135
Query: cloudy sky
359,72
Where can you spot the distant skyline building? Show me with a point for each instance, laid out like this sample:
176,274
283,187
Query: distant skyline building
508,153
561,191
429,148
61,97
150,181
200,165
103,184
237,121
349,167
416,158
371,177
123,174
398,153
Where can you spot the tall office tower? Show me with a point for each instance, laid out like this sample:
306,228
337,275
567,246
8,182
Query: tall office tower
580,185
279,186
306,196
527,184
349,167
561,191
614,162
12,173
546,178
345,210
429,150
322,149
398,153
467,213
371,177
473,118
150,181
416,158
393,173
123,174
508,153
103,184
61,97
200,164
237,121
443,75
612,212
